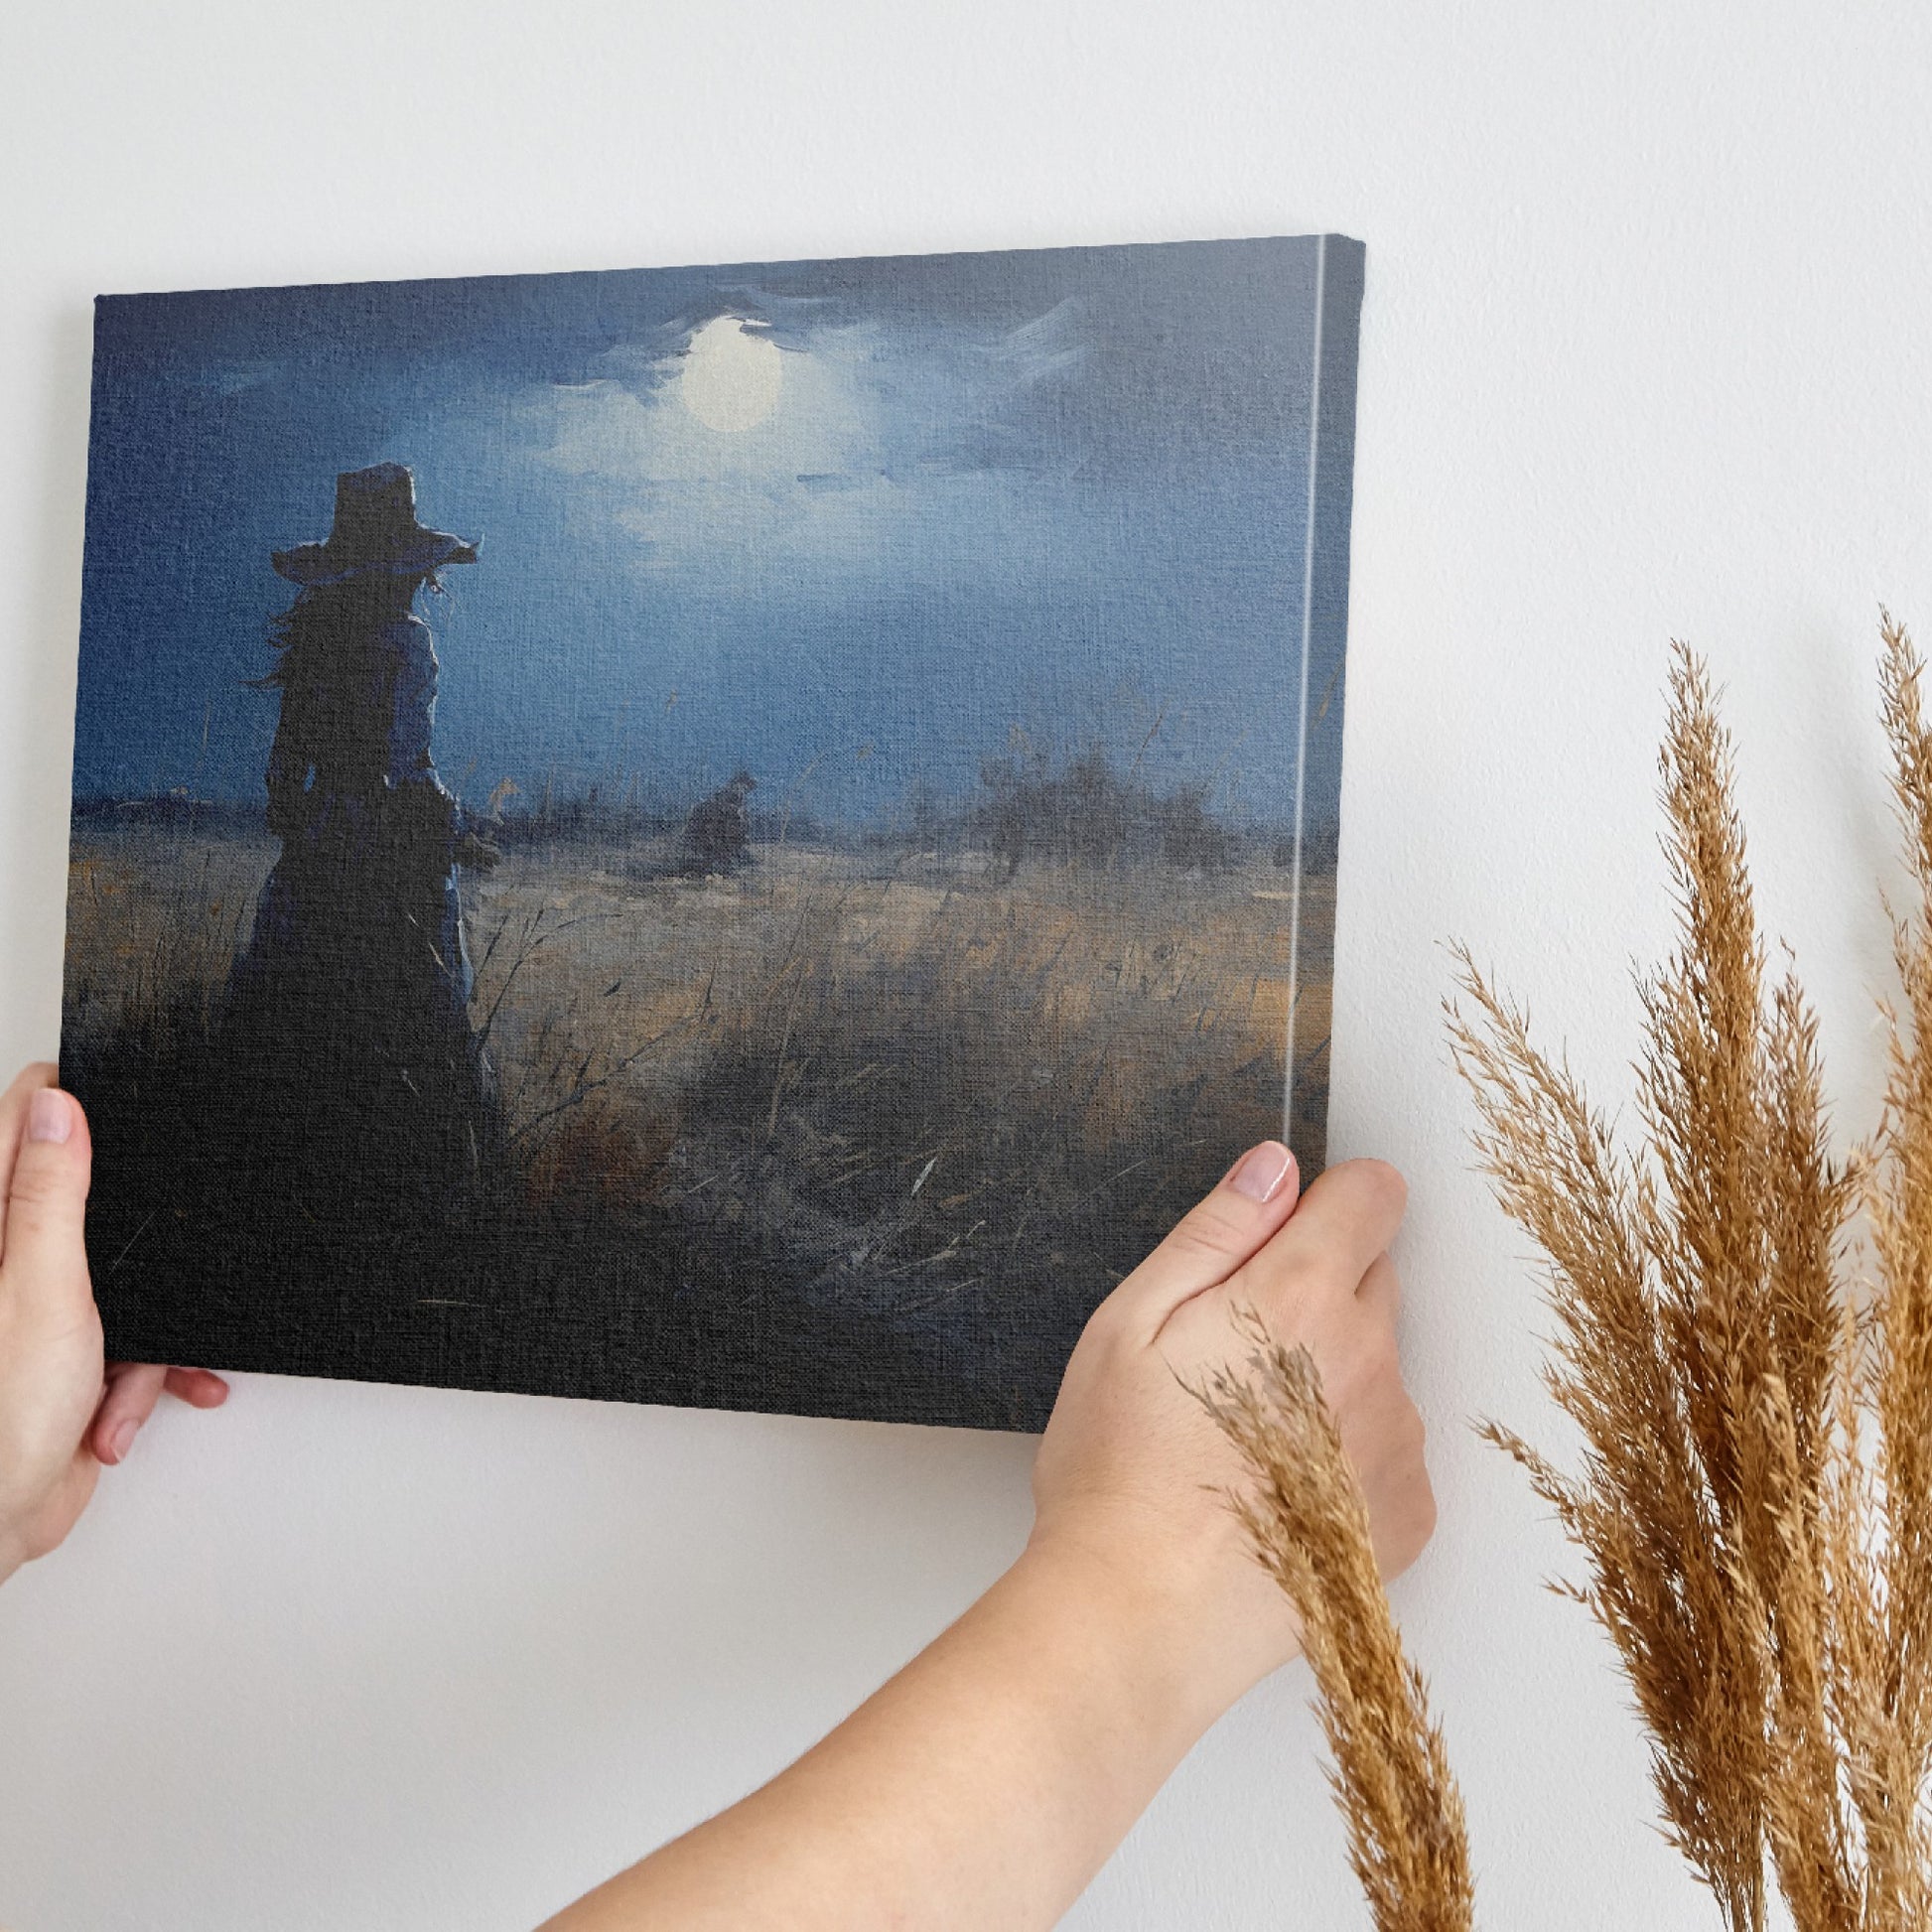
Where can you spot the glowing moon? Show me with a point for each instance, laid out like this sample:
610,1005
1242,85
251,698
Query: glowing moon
730,376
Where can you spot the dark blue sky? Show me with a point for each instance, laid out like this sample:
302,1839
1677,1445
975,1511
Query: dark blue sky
763,513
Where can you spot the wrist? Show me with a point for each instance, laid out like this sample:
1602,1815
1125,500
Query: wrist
1163,1637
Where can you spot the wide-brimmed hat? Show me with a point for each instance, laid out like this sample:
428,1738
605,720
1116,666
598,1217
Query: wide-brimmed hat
375,529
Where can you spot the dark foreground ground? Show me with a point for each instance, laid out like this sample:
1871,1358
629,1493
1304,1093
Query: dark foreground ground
854,1134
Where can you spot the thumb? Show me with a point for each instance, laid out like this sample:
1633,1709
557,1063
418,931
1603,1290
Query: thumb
43,1264
1234,1222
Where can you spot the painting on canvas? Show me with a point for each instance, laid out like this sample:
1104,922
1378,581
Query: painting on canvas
744,836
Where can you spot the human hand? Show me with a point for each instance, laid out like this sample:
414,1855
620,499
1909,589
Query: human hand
985,1784
1130,1478
63,1411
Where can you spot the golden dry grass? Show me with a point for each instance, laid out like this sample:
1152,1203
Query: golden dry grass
907,1059
154,921
1102,990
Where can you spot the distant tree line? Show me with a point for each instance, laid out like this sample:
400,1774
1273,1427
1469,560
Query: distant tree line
1028,809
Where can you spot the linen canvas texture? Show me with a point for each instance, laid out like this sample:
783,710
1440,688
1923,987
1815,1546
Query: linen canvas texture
744,836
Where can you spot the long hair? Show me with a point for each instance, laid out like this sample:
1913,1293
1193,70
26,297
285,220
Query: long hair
335,682
322,631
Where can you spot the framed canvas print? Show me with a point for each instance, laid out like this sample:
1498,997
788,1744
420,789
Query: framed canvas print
745,836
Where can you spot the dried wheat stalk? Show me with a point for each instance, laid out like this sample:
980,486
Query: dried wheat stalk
1309,1525
1754,1499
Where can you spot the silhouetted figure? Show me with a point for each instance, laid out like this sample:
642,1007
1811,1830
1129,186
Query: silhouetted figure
718,831
354,988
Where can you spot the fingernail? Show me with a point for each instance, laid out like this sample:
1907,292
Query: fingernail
1262,1170
50,1116
122,1439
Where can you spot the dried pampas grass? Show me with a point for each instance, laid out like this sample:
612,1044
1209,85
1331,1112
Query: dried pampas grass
1754,1498
1307,1522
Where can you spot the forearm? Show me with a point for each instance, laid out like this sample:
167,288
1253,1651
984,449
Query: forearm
990,1779
983,1786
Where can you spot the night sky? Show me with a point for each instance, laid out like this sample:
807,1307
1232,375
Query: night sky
868,521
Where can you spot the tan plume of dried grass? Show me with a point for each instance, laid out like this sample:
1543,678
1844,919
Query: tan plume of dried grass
1307,1519
1755,1490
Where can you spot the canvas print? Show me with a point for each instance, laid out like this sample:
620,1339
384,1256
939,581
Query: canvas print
744,836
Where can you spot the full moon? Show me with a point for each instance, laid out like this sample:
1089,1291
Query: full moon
730,375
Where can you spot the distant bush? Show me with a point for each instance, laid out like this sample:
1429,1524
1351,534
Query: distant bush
594,816
1086,813
1320,847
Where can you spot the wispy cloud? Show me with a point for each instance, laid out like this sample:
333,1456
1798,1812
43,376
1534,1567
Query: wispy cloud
888,451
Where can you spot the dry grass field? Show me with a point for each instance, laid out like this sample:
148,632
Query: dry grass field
865,1131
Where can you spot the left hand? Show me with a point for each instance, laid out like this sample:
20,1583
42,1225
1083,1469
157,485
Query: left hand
65,1412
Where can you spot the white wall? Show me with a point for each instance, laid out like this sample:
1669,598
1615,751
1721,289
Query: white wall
1644,353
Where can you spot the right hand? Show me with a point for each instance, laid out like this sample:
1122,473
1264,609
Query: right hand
1131,1473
